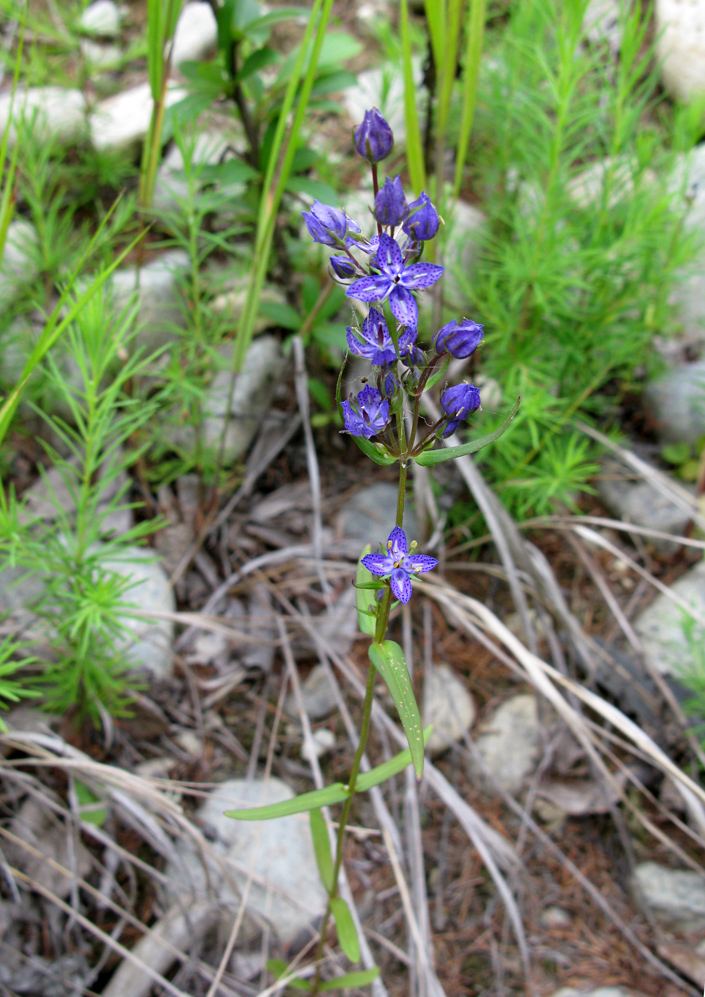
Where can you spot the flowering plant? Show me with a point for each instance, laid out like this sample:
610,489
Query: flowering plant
384,419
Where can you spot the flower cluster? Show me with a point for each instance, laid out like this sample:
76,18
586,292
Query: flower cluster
385,271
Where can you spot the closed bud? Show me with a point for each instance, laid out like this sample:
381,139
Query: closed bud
326,224
373,138
459,401
390,203
422,221
342,266
459,340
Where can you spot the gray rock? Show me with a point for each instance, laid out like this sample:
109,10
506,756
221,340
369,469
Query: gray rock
382,88
554,917
209,148
465,227
661,625
677,403
171,192
20,260
620,175
52,113
680,46
637,501
261,371
675,897
286,891
147,643
102,18
122,121
370,514
600,992
323,742
161,310
232,302
317,695
448,706
509,742
196,33
687,187
100,57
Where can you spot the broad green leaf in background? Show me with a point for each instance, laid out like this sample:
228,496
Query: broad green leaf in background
330,794
345,926
363,596
278,968
321,848
430,457
388,659
360,978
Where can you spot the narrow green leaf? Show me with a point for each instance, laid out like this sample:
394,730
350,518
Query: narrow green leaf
375,451
321,848
414,147
388,659
430,457
278,968
317,189
258,60
359,978
363,597
284,315
345,926
330,795
475,32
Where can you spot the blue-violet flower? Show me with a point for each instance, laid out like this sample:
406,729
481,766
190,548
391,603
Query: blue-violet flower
377,345
422,221
399,563
373,138
458,402
328,225
395,282
390,203
459,340
368,415
342,266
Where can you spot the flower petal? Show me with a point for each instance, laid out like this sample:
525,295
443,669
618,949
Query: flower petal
404,308
419,563
389,258
354,424
378,564
354,344
397,538
370,288
420,275
401,585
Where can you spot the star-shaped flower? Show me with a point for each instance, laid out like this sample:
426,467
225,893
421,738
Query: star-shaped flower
367,415
377,345
395,282
399,563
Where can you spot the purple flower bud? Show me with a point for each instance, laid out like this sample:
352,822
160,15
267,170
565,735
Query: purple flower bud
422,221
325,224
390,385
459,340
368,415
342,266
390,203
458,402
373,138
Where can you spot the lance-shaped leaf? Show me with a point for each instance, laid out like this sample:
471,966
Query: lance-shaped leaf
388,659
345,926
278,968
430,457
359,978
375,451
364,597
321,848
329,795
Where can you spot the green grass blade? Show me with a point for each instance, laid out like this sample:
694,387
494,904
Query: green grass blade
430,457
321,848
471,72
447,66
345,926
388,659
435,11
414,146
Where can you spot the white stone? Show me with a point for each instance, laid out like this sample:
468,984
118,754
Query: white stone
317,695
680,46
677,403
160,300
323,742
261,371
196,33
52,113
101,18
209,148
687,186
171,194
100,57
617,175
465,226
20,260
122,121
661,625
509,741
448,706
146,645
286,891
675,897
382,88
232,302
